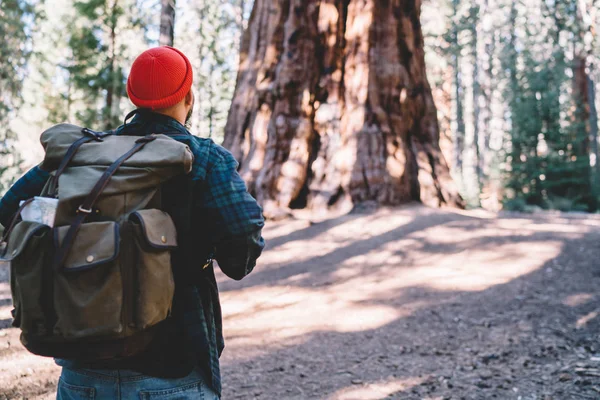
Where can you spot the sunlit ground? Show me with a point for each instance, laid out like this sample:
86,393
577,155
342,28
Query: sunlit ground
376,306
328,282
364,273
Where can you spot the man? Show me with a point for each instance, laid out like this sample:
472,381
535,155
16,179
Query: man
215,218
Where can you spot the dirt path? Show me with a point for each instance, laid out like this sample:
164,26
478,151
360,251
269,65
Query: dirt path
407,303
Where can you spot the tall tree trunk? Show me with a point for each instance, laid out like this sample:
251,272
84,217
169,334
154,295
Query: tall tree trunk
240,16
111,87
594,127
444,99
332,103
489,87
581,96
585,84
459,137
477,40
167,22
514,88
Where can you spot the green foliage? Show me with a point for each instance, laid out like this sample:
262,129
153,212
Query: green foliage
213,48
548,154
97,69
518,204
16,17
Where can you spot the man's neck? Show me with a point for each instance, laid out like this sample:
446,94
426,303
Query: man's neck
145,113
173,114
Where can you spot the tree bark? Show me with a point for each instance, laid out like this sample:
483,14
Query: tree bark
240,16
444,98
167,22
111,84
594,127
489,87
581,95
476,42
332,104
459,137
584,85
512,61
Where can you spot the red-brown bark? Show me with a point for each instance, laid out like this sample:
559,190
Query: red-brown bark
332,103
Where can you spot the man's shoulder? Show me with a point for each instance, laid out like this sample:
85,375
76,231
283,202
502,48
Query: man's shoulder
207,154
210,150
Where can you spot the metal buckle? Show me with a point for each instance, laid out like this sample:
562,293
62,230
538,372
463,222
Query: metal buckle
208,262
85,211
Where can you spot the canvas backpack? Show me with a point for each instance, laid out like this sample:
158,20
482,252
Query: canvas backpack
99,282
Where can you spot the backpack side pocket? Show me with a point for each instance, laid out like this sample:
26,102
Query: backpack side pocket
29,251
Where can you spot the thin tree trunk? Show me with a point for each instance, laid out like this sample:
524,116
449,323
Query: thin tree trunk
167,22
241,20
332,103
477,91
488,90
69,97
211,105
581,89
587,26
444,99
514,89
459,137
583,105
594,127
110,90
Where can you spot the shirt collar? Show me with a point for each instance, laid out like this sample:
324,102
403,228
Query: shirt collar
145,120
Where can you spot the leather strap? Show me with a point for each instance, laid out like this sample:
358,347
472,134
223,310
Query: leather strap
86,208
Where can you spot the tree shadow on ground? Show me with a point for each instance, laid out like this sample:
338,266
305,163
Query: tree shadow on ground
324,265
529,336
310,231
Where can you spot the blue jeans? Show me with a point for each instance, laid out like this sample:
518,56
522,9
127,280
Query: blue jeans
79,384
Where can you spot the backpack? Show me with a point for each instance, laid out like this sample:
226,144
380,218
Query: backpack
99,283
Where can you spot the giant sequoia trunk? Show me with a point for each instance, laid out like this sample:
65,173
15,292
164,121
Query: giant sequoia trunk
332,103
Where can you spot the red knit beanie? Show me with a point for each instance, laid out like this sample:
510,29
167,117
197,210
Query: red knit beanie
160,78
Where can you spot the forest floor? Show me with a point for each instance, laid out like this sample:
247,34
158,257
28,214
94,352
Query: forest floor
407,303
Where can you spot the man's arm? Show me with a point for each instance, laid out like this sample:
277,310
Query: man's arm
30,185
237,218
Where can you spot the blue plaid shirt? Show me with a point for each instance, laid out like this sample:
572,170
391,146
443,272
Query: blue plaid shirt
223,221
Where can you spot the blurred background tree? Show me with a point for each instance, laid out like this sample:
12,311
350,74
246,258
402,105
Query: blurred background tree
17,21
514,83
521,110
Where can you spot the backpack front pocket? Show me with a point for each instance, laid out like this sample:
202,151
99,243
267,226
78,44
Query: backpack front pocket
88,292
155,237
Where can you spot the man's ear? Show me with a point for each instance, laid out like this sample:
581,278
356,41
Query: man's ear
189,98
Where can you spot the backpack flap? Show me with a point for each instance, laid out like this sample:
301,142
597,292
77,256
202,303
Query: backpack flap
157,228
19,238
96,243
